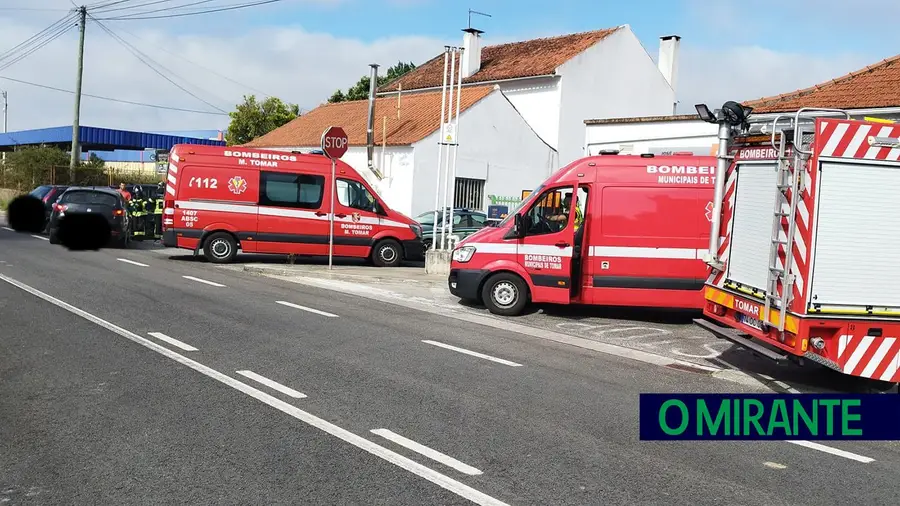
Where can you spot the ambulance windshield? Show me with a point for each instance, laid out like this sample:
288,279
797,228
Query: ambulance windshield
521,205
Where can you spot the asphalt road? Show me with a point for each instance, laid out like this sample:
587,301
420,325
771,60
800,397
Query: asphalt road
227,388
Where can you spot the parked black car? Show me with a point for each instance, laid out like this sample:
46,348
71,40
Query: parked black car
48,194
106,202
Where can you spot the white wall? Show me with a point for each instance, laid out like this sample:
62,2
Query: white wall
495,144
615,78
537,100
651,137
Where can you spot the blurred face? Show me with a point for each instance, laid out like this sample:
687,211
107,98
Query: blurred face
122,186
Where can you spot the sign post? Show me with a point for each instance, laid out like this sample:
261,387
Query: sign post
334,145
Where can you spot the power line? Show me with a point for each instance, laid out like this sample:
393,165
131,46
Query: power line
105,8
36,37
152,64
100,97
139,15
198,2
47,40
198,65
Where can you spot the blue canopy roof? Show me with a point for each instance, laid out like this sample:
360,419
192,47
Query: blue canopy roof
97,139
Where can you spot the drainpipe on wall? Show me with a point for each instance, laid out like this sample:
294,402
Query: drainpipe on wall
370,125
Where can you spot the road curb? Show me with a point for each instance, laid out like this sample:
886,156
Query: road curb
731,375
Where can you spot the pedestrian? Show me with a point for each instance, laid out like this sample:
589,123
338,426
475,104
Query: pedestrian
125,194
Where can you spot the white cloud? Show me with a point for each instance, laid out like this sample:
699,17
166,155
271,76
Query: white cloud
301,65
745,73
290,62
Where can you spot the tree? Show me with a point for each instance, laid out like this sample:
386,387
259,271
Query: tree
360,90
252,118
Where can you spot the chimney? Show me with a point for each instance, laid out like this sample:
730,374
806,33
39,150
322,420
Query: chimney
668,58
370,125
471,56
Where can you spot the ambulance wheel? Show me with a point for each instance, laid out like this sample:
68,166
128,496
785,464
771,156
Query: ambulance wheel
387,253
220,248
505,294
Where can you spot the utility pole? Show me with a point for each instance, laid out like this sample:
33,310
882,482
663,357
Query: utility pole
5,119
76,144
5,111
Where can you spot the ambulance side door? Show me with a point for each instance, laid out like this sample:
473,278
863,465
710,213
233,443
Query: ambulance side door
546,250
216,198
293,213
356,220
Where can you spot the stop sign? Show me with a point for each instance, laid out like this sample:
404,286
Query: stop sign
334,142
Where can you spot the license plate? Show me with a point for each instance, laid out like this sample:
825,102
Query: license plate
750,321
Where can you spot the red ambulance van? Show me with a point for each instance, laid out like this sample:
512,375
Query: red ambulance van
645,223
221,199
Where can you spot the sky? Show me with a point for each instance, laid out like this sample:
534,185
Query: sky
303,50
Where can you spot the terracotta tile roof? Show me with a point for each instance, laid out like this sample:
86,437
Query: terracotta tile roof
872,87
420,114
536,57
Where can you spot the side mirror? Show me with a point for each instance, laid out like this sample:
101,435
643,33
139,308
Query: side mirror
519,228
379,209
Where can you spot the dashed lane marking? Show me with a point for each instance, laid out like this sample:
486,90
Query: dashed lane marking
211,283
274,385
132,262
40,237
360,442
304,308
833,451
473,353
426,451
172,341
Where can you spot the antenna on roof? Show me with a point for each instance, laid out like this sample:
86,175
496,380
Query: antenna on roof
475,12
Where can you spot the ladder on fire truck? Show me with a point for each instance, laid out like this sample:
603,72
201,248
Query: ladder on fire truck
790,168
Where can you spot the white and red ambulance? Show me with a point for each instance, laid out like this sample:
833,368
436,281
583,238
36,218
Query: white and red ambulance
645,224
221,199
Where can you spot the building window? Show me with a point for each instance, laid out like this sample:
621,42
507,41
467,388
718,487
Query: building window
469,193
290,190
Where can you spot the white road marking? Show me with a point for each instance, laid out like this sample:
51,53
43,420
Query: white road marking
172,341
132,262
304,308
7,228
426,451
40,237
473,353
398,460
833,451
192,278
774,465
274,385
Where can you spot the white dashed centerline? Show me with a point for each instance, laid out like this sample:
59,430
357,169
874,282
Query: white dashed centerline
7,228
40,237
132,262
442,480
274,385
172,341
473,353
833,451
211,283
426,451
304,308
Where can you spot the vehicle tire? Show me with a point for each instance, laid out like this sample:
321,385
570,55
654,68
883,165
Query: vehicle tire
387,253
53,236
505,294
220,248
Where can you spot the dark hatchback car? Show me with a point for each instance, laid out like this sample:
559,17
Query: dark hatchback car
48,194
106,202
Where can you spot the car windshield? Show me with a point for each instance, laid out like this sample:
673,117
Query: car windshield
89,197
521,204
40,192
428,218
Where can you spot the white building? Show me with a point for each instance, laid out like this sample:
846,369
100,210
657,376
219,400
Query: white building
556,82
498,153
870,92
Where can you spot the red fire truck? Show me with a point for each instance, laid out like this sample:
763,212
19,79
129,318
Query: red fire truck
805,239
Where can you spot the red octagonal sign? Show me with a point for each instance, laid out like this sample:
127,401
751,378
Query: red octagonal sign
334,142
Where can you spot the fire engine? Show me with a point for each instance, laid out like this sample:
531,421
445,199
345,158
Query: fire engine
805,238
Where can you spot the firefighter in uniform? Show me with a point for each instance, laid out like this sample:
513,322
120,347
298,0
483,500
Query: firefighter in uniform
138,212
563,215
158,211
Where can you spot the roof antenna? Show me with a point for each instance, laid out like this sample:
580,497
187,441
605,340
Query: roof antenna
475,12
